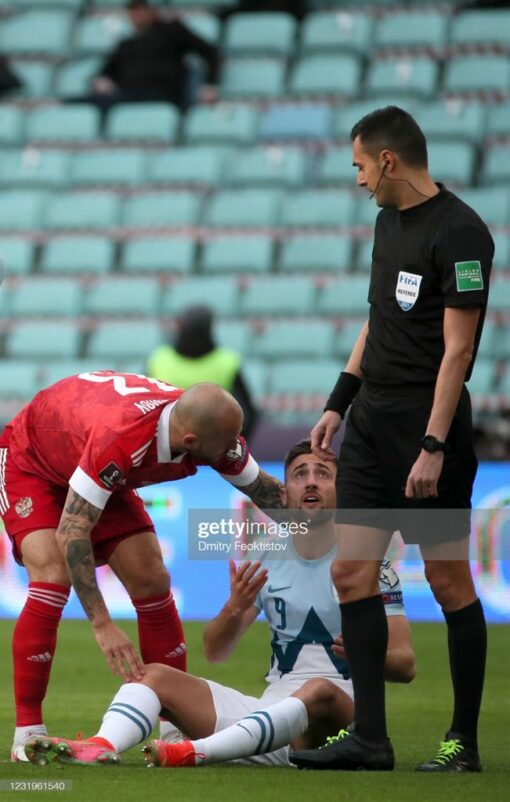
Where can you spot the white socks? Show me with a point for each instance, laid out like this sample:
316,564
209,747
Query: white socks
23,734
131,717
262,731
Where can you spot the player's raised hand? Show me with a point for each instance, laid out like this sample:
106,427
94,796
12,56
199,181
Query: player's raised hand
322,434
120,653
245,584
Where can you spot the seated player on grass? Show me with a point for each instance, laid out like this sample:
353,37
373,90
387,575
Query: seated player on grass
309,697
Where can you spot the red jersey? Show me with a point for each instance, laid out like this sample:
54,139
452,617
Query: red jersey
102,431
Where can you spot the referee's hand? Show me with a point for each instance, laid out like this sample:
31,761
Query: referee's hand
322,434
424,476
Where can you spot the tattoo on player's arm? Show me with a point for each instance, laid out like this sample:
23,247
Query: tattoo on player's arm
265,492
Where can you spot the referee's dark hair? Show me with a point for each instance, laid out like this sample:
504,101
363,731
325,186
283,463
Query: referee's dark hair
394,129
303,447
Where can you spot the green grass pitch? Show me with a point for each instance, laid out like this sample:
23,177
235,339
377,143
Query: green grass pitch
81,687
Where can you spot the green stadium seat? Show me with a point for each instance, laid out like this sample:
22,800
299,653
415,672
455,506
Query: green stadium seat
158,255
504,387
204,25
326,32
366,210
235,334
483,379
255,372
294,338
347,296
501,256
73,78
499,295
319,208
477,74
44,340
81,210
416,77
12,124
54,372
70,5
123,296
364,258
498,122
336,167
413,29
46,296
490,27
316,253
303,377
89,254
486,346
270,166
199,166
501,345
219,292
37,77
16,255
326,75
496,167
98,34
204,5
100,5
296,121
18,379
237,254
124,167
21,208
279,296
452,119
248,208
124,339
36,32
347,116
347,337
452,162
151,121
270,34
250,79
33,167
221,124
162,210
75,123
492,204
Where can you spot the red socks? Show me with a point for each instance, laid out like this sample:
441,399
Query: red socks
160,631
33,646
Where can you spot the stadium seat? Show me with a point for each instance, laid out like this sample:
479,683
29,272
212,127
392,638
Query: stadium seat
498,121
219,292
499,295
69,5
158,255
504,386
80,210
249,208
36,32
491,203
89,254
346,296
123,296
33,167
223,123
46,296
62,124
37,77
452,119
364,258
335,167
98,34
234,334
483,379
477,74
270,34
237,254
409,30
124,167
43,340
18,379
162,210
204,25
278,296
209,5
269,166
341,32
296,121
452,162
501,256
347,336
303,377
251,79
326,75
490,27
256,375
152,121
73,78
347,116
16,255
366,210
55,371
294,338
12,124
126,339
198,166
416,77
318,208
316,253
496,167
490,335
21,209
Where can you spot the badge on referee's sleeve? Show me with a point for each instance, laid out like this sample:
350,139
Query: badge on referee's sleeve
469,276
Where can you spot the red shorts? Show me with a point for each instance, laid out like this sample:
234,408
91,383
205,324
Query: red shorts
29,503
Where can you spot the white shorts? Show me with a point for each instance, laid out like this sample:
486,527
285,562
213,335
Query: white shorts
231,706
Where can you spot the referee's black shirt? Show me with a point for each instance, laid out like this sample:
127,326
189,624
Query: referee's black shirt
434,255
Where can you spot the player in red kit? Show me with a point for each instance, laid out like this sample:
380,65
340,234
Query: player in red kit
69,465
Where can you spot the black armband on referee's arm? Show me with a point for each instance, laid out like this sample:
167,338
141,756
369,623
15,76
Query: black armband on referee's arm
343,394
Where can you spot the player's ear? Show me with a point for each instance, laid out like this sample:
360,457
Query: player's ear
191,441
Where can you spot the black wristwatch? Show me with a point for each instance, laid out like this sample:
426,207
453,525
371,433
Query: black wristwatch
431,444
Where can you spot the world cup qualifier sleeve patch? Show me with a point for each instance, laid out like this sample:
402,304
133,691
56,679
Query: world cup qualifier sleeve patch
111,475
469,276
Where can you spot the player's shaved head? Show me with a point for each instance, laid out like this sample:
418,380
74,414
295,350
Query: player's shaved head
207,406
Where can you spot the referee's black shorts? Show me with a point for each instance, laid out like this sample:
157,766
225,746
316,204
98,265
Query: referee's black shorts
381,444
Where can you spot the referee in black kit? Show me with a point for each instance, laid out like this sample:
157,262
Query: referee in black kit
408,445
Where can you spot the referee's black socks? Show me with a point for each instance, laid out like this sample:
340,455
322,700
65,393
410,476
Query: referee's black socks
467,647
365,634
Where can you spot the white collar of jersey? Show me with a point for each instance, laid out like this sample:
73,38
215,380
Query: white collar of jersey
164,453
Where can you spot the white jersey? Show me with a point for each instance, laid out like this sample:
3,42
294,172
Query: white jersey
302,609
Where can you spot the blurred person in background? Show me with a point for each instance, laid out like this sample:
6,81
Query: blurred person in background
195,357
9,81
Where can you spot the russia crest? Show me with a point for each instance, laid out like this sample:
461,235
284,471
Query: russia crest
408,289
